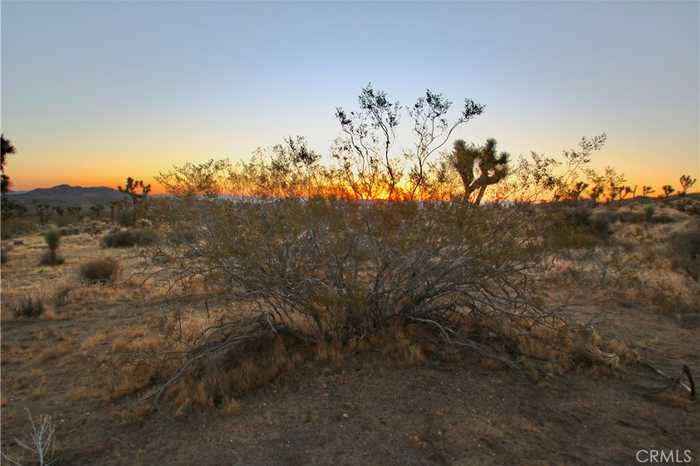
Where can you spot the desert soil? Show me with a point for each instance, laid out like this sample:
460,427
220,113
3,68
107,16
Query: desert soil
366,411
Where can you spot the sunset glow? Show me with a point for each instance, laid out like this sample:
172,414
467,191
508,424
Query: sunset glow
92,93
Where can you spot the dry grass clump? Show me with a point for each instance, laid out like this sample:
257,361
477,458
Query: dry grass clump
93,341
55,352
30,307
102,270
61,295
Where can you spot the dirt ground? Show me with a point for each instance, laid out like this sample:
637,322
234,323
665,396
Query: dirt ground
366,411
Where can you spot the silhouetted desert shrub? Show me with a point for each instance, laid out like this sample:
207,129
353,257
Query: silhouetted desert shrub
53,240
686,250
29,307
102,270
125,238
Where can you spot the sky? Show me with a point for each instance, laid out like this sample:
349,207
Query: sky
93,92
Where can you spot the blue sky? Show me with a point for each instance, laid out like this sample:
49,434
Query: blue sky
93,92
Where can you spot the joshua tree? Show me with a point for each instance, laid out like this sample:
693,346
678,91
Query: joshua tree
131,189
626,191
575,193
492,167
667,189
686,182
646,190
7,148
365,151
596,192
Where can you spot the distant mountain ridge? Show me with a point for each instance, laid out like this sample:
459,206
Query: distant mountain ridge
65,195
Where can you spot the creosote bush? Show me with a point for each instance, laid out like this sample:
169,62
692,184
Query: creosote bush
102,270
124,238
29,307
571,228
339,274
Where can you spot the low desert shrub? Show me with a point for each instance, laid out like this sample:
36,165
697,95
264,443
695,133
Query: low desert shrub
629,216
648,213
69,231
61,294
53,241
18,226
180,235
29,307
126,218
102,270
663,219
600,226
685,246
568,228
332,272
125,238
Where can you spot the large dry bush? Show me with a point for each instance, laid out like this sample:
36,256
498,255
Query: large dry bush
331,272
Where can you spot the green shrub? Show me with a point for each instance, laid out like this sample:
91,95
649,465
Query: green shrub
686,250
29,307
101,270
129,237
648,213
